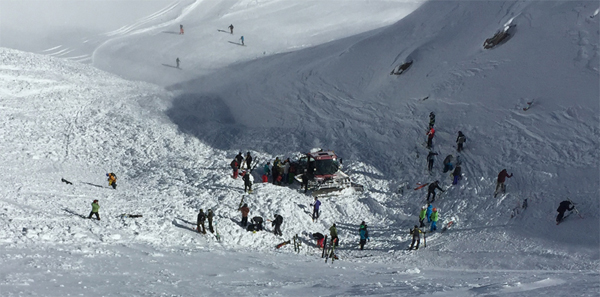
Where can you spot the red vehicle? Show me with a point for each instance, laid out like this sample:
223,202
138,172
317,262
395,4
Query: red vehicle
323,169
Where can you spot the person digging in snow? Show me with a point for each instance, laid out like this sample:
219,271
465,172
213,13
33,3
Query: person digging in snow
562,208
276,223
95,208
500,182
431,190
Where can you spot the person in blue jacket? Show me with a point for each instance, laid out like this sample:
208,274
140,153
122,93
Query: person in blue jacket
316,205
429,211
364,234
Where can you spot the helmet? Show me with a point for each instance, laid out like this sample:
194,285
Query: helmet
96,200
434,209
107,174
423,207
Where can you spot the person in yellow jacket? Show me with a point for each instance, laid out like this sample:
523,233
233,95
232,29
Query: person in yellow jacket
112,180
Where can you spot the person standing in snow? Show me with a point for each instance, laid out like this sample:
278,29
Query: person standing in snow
247,182
95,208
177,62
364,234
267,168
434,219
240,160
315,205
180,29
242,39
422,216
276,223
431,190
200,222
429,212
430,135
500,182
416,237
304,181
286,170
430,159
112,180
334,234
456,174
431,119
562,208
209,216
460,140
245,211
231,28
248,160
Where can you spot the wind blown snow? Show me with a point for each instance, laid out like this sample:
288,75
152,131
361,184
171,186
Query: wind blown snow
106,96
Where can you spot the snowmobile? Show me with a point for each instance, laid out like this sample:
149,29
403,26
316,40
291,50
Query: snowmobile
323,169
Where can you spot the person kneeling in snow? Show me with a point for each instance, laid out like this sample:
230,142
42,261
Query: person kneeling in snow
320,238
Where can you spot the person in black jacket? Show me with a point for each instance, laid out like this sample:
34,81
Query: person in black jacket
431,190
277,224
562,208
209,216
247,182
248,160
456,174
239,159
430,160
200,222
460,140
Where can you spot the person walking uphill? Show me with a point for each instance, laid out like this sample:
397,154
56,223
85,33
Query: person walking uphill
95,208
364,234
334,235
316,205
200,222
209,216
434,219
562,208
112,180
276,223
431,190
500,182
245,211
231,28
181,30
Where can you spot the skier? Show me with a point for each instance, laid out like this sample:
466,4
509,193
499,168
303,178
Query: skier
240,160
364,234
200,222
429,212
430,159
320,238
304,182
234,166
430,135
316,205
242,39
416,237
180,29
500,182
434,219
456,174
334,235
246,176
245,210
448,163
248,160
460,140
112,180
562,208
209,216
431,119
177,62
231,28
422,215
95,208
277,224
431,190
257,221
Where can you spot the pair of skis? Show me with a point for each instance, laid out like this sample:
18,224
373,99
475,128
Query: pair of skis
331,251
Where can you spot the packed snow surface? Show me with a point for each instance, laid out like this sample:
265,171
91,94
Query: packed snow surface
101,93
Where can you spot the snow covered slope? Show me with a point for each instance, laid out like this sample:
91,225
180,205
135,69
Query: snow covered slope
171,149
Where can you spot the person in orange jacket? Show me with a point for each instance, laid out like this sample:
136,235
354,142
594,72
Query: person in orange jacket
112,180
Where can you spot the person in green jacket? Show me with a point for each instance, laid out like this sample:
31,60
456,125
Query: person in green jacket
95,208
334,235
422,216
434,219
